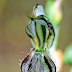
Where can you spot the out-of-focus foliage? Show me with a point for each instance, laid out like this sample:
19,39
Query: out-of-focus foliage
53,11
68,55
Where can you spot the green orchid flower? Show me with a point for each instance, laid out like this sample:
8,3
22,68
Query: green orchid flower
41,31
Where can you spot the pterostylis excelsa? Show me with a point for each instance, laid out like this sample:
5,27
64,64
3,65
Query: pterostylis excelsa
41,31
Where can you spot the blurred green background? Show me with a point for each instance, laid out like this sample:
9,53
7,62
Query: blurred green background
14,42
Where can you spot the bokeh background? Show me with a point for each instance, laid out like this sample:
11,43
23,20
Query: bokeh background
14,42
